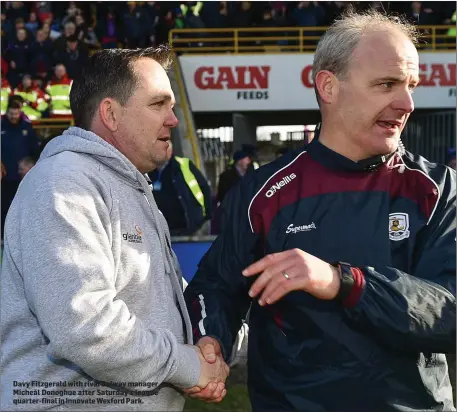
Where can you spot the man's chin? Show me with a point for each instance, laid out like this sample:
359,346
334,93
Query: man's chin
162,162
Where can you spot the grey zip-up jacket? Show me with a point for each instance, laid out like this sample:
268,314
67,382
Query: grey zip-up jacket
91,292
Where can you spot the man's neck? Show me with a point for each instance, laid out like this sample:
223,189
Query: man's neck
336,141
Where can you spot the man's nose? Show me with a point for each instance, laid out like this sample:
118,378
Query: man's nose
171,120
404,101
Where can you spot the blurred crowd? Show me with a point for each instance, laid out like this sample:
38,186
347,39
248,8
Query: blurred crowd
37,35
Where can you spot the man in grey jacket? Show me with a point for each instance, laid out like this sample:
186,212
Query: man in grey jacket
93,315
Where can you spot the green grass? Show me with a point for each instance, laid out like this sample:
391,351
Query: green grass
237,399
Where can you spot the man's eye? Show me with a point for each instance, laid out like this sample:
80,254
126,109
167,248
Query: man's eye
387,85
159,104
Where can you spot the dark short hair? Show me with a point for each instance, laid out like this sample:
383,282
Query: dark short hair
16,99
14,104
109,73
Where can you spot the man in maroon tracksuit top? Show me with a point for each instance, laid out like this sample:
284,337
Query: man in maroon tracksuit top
345,250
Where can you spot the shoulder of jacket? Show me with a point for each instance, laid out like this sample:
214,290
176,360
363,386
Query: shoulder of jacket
435,171
442,176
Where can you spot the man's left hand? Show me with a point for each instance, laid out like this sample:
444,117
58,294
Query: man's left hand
292,270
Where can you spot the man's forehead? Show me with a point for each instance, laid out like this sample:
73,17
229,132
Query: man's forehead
387,50
152,75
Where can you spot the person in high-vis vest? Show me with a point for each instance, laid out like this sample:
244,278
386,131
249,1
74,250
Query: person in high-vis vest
35,100
183,195
58,90
6,93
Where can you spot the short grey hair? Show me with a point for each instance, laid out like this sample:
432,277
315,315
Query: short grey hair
335,48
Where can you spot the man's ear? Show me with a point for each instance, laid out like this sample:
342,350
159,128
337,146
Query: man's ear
327,86
110,111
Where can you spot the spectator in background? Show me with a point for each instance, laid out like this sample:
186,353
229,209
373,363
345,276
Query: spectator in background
25,165
43,10
152,10
420,15
41,53
18,57
69,30
86,34
35,101
308,14
52,34
18,25
32,24
71,12
73,57
244,16
191,13
281,17
18,141
333,10
233,174
4,67
451,158
14,100
58,89
268,21
5,94
6,29
136,26
166,23
81,27
182,194
16,11
108,31
215,14
179,19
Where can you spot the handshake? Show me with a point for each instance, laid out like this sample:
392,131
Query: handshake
213,372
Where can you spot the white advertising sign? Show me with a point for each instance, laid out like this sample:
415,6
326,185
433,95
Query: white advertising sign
272,82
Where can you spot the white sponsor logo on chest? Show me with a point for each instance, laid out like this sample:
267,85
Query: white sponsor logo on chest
305,228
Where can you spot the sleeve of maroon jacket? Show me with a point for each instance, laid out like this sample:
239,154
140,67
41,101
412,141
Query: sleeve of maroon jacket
417,310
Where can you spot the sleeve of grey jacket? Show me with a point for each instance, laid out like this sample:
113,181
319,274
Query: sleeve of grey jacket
69,275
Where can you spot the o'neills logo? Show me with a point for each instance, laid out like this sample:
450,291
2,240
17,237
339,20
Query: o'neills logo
251,82
280,184
134,237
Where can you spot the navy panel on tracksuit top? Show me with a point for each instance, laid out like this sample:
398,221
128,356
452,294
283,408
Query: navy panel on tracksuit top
383,348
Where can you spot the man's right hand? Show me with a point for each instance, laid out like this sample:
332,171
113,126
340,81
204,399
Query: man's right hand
213,372
217,371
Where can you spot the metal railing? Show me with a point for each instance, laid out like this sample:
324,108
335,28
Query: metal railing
280,39
52,123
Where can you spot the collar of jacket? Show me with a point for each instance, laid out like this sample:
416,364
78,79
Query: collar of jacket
337,162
